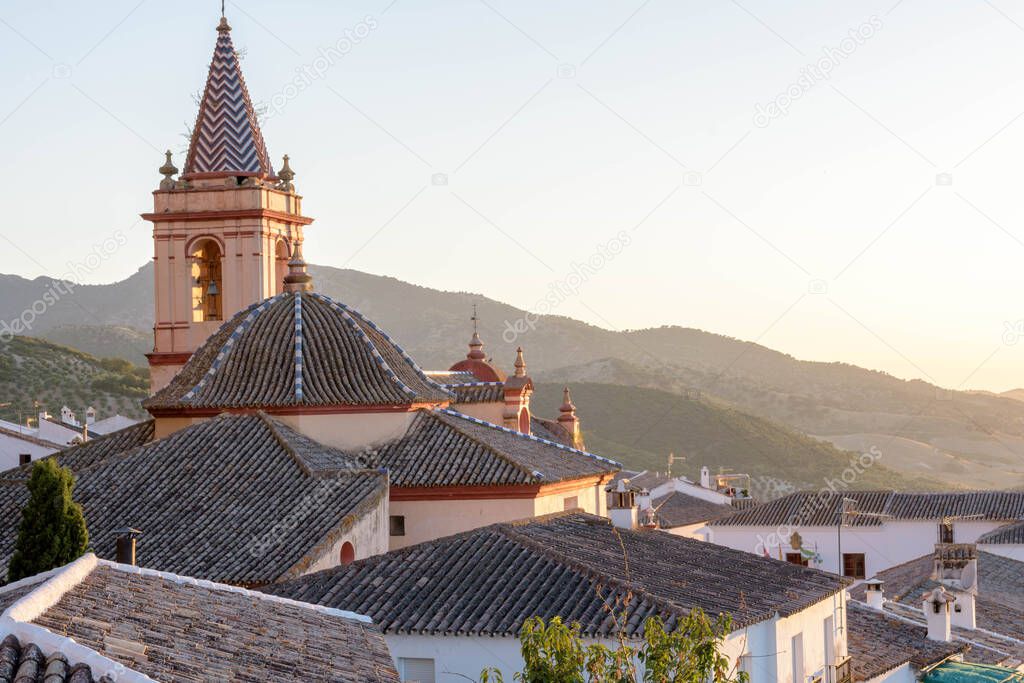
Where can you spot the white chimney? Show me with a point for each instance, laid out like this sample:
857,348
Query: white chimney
67,416
956,567
643,500
963,610
90,415
622,508
873,591
937,614
705,477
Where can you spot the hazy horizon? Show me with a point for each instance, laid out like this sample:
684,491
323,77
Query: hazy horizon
640,132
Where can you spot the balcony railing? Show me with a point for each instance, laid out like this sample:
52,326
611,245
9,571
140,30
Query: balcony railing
842,672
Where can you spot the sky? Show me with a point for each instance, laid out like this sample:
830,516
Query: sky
838,181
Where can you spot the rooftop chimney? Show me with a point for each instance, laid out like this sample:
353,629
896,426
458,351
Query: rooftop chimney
875,596
937,614
126,545
622,508
643,500
956,567
705,477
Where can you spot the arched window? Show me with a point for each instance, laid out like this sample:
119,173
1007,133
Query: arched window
524,421
281,255
207,281
348,553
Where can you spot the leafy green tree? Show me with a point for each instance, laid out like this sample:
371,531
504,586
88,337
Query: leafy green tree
689,653
52,531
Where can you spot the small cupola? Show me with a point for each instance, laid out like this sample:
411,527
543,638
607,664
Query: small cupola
476,361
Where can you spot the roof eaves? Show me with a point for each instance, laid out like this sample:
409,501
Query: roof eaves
225,588
51,587
535,475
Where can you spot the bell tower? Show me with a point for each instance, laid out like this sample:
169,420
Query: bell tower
223,231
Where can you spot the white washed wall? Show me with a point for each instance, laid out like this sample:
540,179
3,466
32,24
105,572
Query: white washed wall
369,536
1014,551
11,447
886,546
766,646
901,674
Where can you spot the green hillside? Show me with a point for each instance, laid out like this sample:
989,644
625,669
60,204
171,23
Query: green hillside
35,372
640,427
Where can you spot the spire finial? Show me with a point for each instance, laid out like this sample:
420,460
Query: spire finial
297,279
520,363
568,408
223,25
476,345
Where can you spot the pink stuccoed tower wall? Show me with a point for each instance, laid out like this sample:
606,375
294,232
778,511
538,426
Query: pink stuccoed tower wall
228,193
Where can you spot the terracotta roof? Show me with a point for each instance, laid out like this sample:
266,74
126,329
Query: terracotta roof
446,448
574,565
449,377
999,605
1008,534
810,508
298,349
139,622
208,498
26,663
481,392
551,430
93,451
879,643
226,137
679,509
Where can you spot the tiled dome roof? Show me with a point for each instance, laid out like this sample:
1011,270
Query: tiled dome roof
298,349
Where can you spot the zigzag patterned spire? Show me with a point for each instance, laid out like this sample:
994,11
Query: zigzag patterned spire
227,137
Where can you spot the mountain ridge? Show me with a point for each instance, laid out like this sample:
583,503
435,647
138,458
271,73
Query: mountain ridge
838,400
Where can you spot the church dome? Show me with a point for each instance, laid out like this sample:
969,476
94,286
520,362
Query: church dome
297,349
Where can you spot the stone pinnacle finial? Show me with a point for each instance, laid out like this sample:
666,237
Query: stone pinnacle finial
520,363
168,170
567,411
287,175
297,279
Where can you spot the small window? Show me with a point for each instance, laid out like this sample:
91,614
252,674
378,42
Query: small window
946,532
24,458
796,558
571,503
416,670
853,565
797,650
348,553
396,525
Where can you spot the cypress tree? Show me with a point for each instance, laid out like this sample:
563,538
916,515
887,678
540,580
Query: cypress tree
52,531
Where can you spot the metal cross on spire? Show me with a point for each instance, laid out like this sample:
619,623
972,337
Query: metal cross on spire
474,318
222,7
